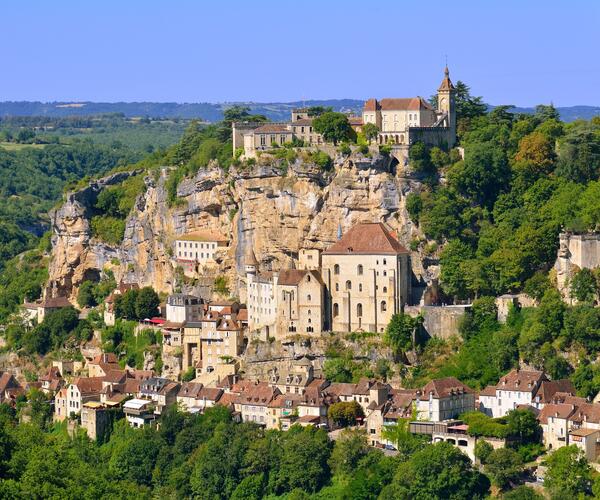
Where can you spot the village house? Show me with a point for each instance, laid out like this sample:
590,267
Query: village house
182,308
295,379
162,391
60,405
139,412
82,390
199,248
521,387
399,405
444,399
367,275
194,397
10,388
51,381
37,311
254,402
102,364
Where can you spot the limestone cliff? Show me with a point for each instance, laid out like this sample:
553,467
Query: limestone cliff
276,209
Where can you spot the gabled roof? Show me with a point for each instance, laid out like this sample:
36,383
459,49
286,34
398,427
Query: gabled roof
291,277
549,388
402,104
560,410
444,387
273,128
371,238
202,235
522,381
8,381
88,385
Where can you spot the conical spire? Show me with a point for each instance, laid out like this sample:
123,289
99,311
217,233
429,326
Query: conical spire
250,257
446,82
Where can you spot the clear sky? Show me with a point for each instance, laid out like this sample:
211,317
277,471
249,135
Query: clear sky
521,52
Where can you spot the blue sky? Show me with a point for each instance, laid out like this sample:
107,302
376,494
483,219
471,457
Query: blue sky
510,52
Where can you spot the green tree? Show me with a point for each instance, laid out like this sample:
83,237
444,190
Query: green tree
146,303
304,460
85,295
345,413
349,449
568,473
439,471
483,450
400,332
503,466
522,493
334,127
371,131
584,286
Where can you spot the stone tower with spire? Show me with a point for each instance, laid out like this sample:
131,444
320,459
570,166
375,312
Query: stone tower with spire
447,104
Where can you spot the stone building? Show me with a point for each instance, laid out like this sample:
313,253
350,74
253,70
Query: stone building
182,308
300,302
198,247
367,275
260,296
444,399
575,252
404,121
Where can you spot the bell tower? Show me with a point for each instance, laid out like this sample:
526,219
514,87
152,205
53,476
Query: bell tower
447,105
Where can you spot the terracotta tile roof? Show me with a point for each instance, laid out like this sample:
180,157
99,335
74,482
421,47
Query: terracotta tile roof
371,105
404,104
291,277
522,381
115,376
53,373
341,389
228,325
229,399
444,387
242,315
560,410
203,235
88,385
309,419
355,120
56,303
8,381
367,239
273,128
259,394
490,390
190,390
589,412
399,406
583,432
563,397
210,393
106,357
132,386
285,401
549,388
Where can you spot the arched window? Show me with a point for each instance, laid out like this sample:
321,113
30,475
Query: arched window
308,277
348,285
384,262
360,287
336,310
337,287
385,289
309,320
359,310
336,269
308,297
383,306
309,313
359,270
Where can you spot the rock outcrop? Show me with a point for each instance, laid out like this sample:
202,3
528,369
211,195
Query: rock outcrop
275,210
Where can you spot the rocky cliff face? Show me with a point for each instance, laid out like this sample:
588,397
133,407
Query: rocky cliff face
277,211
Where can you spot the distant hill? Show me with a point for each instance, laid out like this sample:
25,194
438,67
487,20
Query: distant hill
212,112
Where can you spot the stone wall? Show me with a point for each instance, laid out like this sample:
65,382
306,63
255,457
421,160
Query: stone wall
576,251
439,321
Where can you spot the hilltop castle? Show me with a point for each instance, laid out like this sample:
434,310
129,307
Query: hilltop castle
401,122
